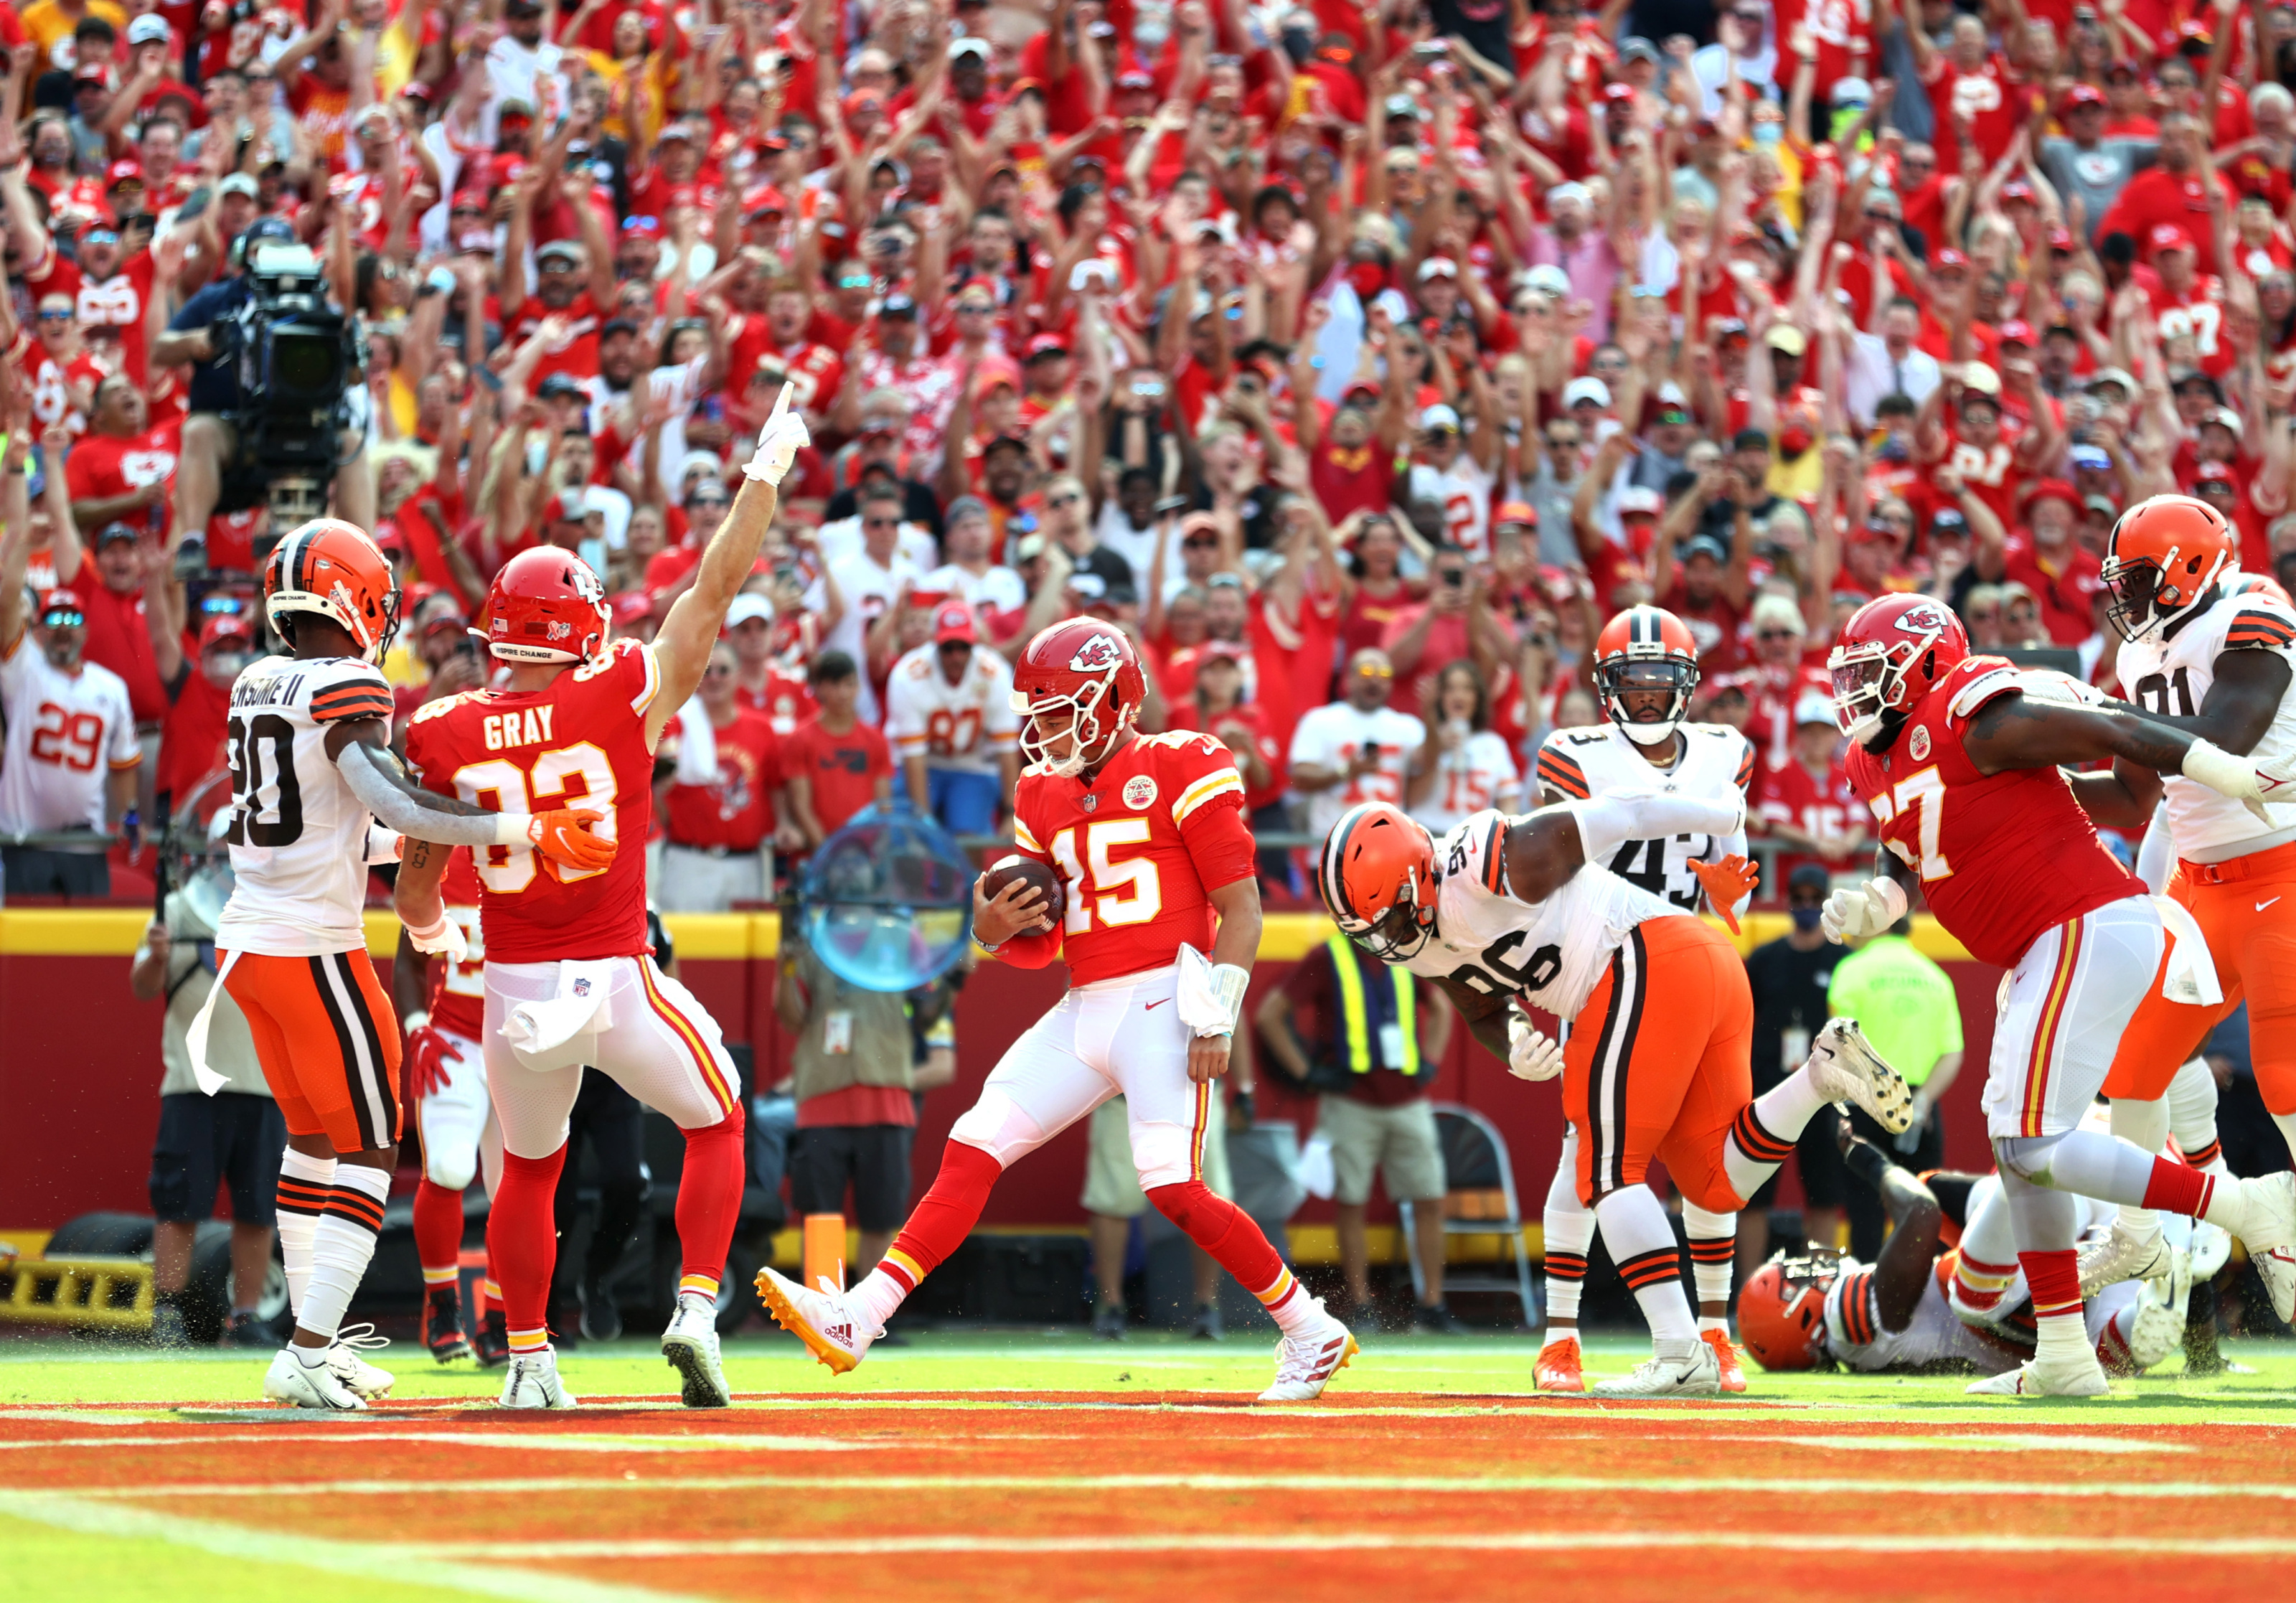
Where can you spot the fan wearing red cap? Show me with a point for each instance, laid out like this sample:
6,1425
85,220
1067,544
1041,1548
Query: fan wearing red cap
198,697
1986,446
2187,304
950,718
2043,555
1968,83
727,799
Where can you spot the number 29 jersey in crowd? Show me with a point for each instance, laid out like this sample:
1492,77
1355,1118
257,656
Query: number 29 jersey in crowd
1715,759
1139,851
1550,953
2173,675
2003,858
578,743
298,835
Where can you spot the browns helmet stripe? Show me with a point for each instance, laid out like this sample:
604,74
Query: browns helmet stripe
1328,883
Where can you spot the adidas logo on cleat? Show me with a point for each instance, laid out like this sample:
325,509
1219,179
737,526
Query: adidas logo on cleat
840,1333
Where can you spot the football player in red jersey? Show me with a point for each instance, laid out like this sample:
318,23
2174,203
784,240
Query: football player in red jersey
1958,757
442,1011
1147,834
570,977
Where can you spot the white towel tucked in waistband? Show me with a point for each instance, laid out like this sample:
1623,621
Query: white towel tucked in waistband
558,1032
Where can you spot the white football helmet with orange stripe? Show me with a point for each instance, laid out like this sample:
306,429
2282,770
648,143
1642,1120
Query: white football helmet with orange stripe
331,568
1645,649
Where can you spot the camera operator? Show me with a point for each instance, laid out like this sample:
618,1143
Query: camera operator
211,448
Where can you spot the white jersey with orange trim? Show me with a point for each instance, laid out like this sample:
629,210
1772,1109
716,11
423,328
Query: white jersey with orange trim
1856,1338
1549,953
66,733
1714,761
965,727
298,835
2173,675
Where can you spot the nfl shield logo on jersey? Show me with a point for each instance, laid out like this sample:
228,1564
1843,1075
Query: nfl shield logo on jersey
1088,802
1139,792
581,988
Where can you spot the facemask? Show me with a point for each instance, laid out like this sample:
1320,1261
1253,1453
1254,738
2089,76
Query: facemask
1769,133
1806,919
1368,279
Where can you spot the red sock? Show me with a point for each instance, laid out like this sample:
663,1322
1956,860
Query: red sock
437,1232
938,1225
709,1201
2054,1279
523,1237
1225,1232
2173,1188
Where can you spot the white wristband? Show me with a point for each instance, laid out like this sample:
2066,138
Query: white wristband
513,829
414,1020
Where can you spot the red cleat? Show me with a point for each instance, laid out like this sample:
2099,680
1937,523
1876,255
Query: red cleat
1558,1366
1733,1373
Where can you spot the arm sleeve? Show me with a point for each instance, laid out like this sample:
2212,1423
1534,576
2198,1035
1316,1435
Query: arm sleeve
1606,823
395,810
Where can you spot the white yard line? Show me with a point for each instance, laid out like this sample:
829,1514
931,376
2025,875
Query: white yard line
1667,1486
521,1440
368,1561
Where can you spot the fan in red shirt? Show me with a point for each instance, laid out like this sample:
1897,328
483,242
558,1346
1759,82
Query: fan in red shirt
836,765
1971,88
199,701
2174,192
120,469
1987,450
2187,305
2044,557
1805,803
572,282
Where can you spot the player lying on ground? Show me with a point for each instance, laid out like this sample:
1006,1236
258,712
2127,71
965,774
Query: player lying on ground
1895,1315
308,739
570,980
1146,835
2208,652
1646,668
1512,911
1961,766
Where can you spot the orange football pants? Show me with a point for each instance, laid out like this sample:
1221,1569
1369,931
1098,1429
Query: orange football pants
2246,909
1658,1063
328,1041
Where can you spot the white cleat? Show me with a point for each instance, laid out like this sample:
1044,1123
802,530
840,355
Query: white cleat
2123,1255
2159,1327
2270,1232
691,1346
532,1382
309,1384
1845,1067
2080,1376
825,1321
1698,1376
353,1370
1304,1364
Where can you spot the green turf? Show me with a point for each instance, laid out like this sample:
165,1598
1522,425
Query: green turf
44,1565
64,1373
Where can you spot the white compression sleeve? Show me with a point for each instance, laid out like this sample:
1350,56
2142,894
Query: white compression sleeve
1606,823
394,809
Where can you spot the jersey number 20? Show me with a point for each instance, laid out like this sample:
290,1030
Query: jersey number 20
244,744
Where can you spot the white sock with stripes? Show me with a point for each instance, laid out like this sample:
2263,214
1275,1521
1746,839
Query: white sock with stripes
1640,1239
1569,1232
342,1246
304,1182
1713,1257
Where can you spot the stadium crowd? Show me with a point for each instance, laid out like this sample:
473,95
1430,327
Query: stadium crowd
1359,361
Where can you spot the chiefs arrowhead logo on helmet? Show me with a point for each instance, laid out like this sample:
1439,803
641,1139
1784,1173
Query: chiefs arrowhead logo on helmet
1097,655
1927,619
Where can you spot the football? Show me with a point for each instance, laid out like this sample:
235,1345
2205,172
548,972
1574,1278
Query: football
1029,870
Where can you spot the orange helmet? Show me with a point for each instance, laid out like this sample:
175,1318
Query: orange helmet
1782,1312
331,568
1377,878
2164,557
1645,648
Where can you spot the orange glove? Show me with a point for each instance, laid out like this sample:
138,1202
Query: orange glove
565,839
1726,882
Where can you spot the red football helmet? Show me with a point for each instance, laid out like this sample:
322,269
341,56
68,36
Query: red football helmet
1087,670
2164,557
1782,1312
331,568
546,607
1376,876
1645,648
1890,653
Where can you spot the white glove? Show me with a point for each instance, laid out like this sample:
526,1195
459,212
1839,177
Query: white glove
1863,910
778,444
442,938
1531,1054
2238,778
